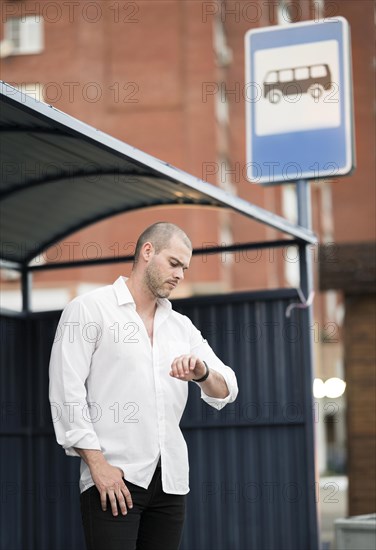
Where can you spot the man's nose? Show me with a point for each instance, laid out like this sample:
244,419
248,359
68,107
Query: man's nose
179,273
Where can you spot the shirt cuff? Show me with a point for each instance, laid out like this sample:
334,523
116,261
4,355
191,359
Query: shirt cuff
220,402
216,402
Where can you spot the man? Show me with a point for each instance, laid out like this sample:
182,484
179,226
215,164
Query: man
119,369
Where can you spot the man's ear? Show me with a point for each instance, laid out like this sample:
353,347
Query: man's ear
147,251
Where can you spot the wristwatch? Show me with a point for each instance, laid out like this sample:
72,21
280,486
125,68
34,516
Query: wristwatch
203,378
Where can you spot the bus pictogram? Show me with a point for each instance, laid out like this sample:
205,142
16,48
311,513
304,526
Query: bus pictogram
294,81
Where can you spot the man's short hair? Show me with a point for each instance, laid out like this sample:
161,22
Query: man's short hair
159,235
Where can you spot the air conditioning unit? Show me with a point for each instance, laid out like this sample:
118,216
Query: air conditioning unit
9,274
356,532
24,35
6,46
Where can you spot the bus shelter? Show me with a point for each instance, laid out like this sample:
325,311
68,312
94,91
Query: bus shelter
252,467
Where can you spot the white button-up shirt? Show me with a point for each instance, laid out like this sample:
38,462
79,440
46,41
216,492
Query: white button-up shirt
110,389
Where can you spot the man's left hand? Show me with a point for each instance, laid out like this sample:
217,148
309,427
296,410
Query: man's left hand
187,367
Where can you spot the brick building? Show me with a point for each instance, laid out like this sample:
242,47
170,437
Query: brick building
167,77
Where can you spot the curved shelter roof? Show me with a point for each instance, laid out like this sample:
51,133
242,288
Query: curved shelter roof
59,175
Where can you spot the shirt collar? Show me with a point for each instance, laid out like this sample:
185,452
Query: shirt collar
124,296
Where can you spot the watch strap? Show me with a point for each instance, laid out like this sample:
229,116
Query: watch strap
203,378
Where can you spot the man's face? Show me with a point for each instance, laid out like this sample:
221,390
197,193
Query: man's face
166,269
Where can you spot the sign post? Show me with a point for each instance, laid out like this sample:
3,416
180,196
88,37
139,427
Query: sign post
299,102
299,122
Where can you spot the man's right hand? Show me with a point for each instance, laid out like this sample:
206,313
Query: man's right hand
108,480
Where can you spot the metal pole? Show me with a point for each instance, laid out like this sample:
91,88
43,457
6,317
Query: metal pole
303,192
26,284
305,219
195,252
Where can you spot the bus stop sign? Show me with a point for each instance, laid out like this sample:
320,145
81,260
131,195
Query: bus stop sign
298,92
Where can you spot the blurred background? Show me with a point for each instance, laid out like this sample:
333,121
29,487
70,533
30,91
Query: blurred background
167,77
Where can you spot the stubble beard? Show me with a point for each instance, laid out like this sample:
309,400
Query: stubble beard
154,282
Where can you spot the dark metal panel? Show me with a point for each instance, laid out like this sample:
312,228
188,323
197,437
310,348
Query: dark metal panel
244,493
12,448
14,445
39,491
250,474
55,485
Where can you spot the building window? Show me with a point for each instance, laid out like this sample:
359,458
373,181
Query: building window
25,35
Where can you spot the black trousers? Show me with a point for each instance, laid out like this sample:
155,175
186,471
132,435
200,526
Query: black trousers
154,523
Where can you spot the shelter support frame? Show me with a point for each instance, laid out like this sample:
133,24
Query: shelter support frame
160,184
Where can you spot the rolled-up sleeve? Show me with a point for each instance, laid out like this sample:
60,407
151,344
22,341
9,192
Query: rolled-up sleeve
202,350
69,368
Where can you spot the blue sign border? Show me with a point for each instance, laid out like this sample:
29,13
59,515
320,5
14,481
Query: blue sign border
326,152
